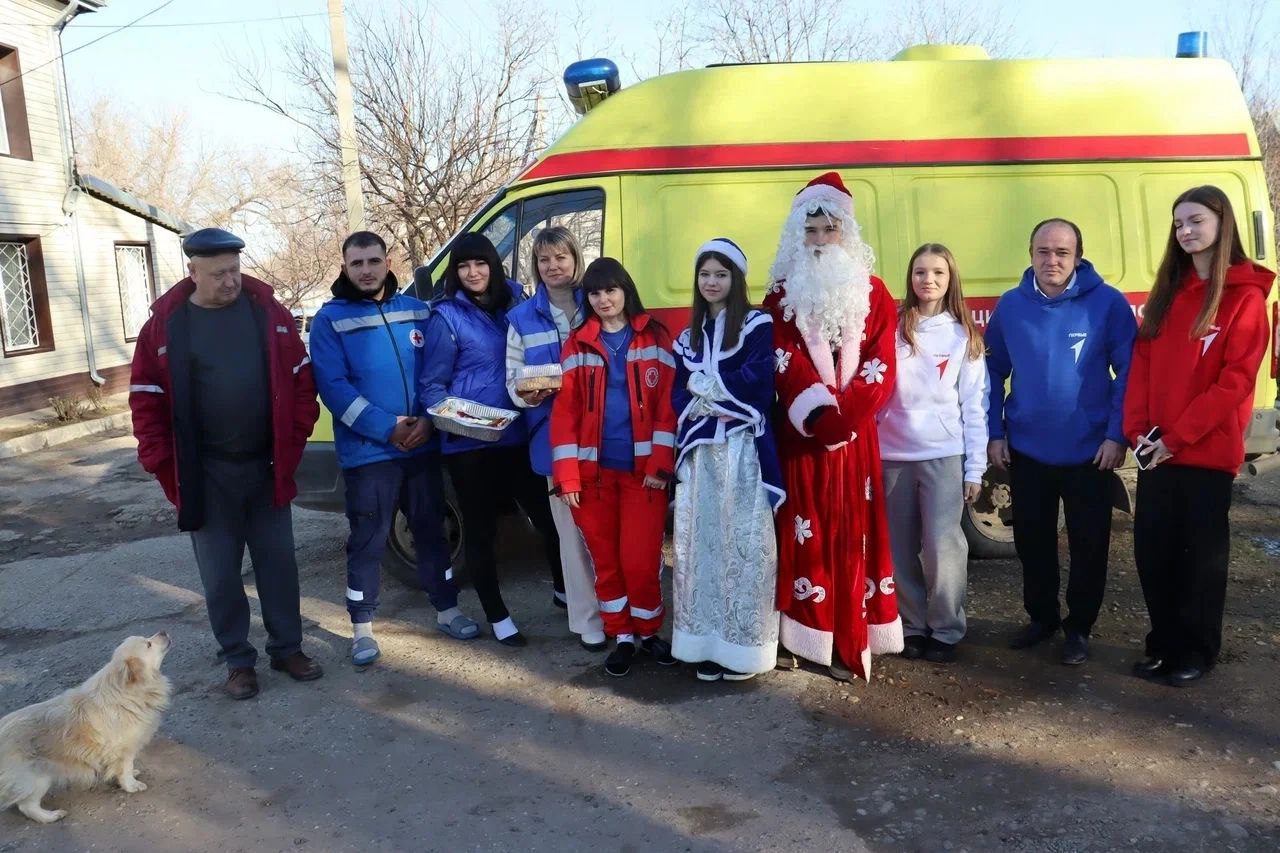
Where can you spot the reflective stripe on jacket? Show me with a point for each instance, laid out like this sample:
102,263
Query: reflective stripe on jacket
542,345
466,358
160,398
368,356
577,418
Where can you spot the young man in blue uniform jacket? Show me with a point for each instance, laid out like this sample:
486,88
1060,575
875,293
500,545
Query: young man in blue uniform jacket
367,351
1066,338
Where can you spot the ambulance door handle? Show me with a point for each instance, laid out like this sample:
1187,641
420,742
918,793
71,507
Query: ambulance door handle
1259,241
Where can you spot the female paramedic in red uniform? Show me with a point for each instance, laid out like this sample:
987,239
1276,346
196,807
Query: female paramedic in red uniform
1204,332
612,455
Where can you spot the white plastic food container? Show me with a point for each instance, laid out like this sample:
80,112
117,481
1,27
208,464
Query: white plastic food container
539,377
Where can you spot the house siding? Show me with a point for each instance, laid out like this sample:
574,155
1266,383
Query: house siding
32,193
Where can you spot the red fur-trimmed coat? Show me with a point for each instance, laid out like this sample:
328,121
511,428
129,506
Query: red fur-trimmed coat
835,572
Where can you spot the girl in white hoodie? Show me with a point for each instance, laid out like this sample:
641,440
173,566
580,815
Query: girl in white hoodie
933,442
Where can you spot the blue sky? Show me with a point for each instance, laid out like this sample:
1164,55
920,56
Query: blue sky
158,67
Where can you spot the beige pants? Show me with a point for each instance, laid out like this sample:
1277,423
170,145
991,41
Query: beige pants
579,576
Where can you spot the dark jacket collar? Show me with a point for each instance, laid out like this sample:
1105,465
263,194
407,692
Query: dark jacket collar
259,292
344,288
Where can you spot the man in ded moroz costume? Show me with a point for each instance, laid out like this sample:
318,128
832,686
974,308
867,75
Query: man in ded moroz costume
833,332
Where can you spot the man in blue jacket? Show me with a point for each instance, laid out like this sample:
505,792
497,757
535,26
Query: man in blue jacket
1066,337
367,353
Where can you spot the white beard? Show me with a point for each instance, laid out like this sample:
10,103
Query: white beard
830,294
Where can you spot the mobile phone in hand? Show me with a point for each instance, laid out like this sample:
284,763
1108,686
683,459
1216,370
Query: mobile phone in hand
1143,455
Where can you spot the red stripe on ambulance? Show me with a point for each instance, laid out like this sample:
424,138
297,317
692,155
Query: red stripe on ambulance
892,152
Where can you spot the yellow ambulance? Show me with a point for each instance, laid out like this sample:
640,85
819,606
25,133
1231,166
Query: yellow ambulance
939,144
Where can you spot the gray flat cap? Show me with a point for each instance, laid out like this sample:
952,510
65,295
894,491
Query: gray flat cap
210,241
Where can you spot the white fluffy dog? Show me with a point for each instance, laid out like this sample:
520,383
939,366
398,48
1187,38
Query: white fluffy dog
88,733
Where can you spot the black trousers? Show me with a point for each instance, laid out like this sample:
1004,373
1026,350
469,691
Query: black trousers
1085,495
482,479
238,512
1182,545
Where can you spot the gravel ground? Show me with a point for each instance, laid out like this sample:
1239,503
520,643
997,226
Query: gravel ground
452,746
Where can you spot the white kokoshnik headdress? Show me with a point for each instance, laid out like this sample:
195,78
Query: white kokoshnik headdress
726,247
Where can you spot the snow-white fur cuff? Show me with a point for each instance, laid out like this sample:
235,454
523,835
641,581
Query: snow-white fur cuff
809,643
886,638
806,403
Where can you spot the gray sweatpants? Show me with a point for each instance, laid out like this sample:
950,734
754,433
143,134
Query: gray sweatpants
923,504
238,512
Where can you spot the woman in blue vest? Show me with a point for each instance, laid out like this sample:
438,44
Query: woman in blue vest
466,345
539,328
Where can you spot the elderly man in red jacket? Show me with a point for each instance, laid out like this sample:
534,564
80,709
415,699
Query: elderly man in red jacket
223,401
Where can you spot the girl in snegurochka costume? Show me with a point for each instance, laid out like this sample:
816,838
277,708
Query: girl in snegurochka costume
729,485
1203,336
933,446
612,455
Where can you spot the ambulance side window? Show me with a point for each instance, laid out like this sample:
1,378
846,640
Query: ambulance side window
581,211
501,232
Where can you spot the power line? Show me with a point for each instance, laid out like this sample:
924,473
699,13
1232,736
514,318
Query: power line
210,23
63,54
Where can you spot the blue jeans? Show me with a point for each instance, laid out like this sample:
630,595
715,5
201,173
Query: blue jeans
415,486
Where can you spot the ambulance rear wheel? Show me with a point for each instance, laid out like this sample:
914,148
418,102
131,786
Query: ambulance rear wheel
400,557
988,522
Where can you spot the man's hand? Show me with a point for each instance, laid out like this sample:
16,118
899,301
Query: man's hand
535,397
1109,455
403,429
571,499
654,482
418,435
998,453
971,492
1159,452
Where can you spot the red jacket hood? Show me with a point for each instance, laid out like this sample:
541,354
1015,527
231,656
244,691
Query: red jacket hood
169,301
1243,274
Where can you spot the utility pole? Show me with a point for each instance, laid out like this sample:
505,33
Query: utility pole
346,118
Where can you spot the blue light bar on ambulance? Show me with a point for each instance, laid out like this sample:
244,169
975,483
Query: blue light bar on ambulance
1193,45
590,81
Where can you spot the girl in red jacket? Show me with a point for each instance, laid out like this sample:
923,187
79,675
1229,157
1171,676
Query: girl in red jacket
1204,332
612,455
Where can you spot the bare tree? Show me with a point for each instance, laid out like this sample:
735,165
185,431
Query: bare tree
1248,34
676,43
442,120
780,31
296,246
808,30
163,161
976,22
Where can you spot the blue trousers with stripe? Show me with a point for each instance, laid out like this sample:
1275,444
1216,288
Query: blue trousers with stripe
414,485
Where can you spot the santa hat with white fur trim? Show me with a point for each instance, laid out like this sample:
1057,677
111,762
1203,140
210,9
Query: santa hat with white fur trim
726,247
826,191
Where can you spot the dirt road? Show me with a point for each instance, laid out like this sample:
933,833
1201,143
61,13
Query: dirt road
452,746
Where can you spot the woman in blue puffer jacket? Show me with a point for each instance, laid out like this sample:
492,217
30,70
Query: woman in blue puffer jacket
466,346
